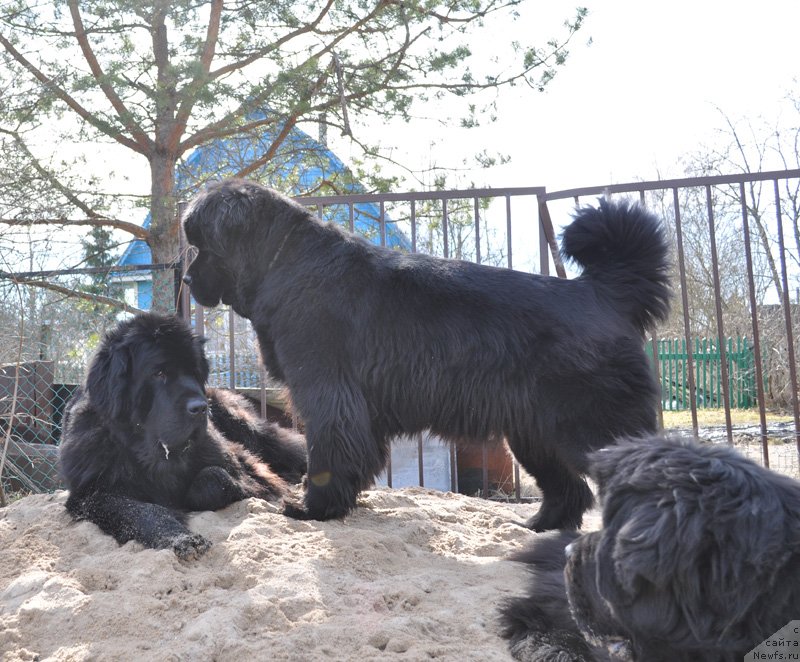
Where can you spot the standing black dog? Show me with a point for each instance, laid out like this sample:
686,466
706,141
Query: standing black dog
138,449
698,559
373,343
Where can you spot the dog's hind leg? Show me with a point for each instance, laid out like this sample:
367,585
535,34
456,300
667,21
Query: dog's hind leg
565,494
565,497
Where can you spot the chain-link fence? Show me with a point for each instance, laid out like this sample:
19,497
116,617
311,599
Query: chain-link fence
52,323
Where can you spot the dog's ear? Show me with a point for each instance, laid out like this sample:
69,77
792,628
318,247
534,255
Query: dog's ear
108,380
637,569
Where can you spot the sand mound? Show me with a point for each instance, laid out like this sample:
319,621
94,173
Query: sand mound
413,574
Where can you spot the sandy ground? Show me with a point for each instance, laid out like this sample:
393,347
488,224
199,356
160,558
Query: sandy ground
412,574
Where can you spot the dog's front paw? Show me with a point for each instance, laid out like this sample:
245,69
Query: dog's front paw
296,510
190,546
301,511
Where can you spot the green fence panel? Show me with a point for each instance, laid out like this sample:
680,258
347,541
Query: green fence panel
673,370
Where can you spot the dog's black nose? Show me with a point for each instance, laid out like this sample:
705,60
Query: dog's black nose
187,279
196,406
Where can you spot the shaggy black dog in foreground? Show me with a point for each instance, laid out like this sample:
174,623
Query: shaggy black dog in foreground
539,626
698,559
374,343
138,450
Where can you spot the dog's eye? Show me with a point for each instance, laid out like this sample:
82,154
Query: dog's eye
160,374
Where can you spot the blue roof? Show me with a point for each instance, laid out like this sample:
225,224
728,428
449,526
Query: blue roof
137,252
300,164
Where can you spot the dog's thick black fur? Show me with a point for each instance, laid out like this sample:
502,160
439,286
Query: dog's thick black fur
539,626
697,560
138,449
237,418
373,343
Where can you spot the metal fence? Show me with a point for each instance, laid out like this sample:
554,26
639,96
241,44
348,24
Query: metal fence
746,288
736,261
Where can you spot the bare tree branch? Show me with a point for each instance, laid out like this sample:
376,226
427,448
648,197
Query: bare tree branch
144,142
70,195
77,294
189,93
80,110
137,231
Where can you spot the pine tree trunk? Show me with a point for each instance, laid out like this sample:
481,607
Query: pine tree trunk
164,230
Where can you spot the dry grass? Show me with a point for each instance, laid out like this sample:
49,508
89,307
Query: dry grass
713,417
782,447
683,420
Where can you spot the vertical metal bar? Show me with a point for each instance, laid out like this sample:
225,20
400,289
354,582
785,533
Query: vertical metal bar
477,218
723,359
751,292
544,247
263,389
485,469
546,224
657,368
681,395
445,239
420,461
517,486
687,333
319,212
413,226
184,299
389,466
184,250
382,222
232,348
787,317
453,468
509,252
351,217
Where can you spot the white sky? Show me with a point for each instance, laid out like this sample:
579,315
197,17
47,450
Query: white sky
628,106
644,93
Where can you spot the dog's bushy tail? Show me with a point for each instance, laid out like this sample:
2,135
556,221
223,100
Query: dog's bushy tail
623,246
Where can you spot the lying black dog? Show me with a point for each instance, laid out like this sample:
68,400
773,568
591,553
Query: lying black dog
373,343
138,450
698,559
